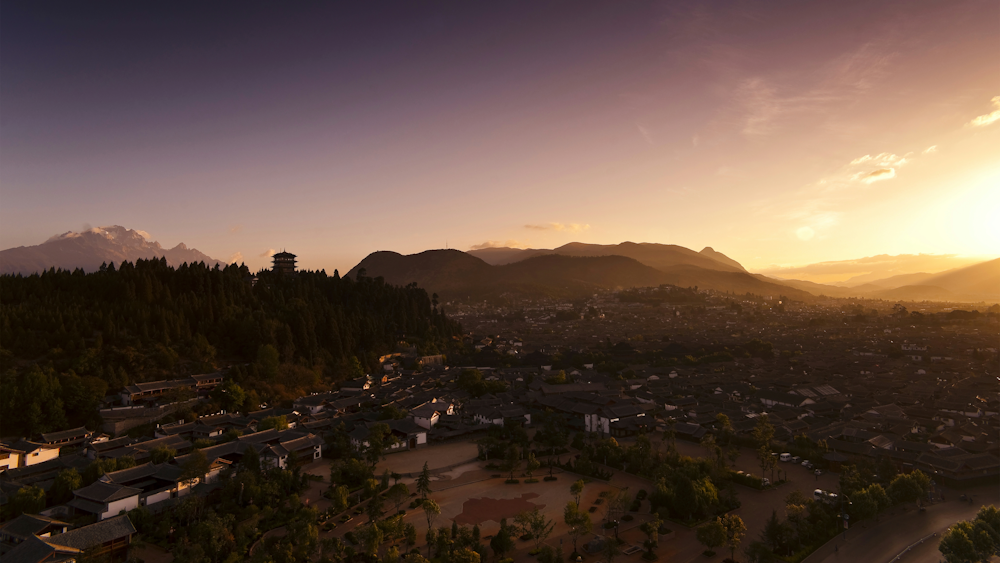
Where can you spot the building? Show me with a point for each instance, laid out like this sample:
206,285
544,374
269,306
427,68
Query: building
284,263
198,384
104,500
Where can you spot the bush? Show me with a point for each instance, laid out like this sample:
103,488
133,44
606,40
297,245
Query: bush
512,481
748,480
550,478
636,505
641,495
351,539
628,518
532,480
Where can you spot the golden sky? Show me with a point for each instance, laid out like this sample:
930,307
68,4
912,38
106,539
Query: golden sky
778,133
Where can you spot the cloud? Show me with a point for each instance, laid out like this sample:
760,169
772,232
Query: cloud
567,227
499,244
646,134
268,253
805,233
930,149
236,258
233,229
984,120
880,174
143,234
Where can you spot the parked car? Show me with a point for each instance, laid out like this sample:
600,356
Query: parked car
785,457
807,464
818,472
765,482
796,459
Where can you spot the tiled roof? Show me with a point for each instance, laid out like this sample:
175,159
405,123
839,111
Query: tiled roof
34,550
102,492
95,534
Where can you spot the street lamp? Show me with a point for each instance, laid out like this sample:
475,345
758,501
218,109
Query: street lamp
843,512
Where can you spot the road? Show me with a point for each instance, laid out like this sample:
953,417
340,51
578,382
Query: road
883,541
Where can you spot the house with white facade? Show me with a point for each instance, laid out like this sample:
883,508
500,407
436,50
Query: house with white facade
104,500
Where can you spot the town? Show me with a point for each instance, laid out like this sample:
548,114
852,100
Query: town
667,423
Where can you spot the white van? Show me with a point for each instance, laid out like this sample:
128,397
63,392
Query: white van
785,457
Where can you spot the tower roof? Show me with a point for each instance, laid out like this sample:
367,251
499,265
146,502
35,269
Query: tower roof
283,254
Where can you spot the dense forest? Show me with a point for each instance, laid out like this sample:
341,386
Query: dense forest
69,338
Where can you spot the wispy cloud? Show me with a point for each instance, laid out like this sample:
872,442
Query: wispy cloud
812,211
984,120
567,227
499,244
880,174
268,253
765,104
233,229
144,234
646,134
236,258
930,149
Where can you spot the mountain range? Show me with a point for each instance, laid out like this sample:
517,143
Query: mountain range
92,247
577,268
574,269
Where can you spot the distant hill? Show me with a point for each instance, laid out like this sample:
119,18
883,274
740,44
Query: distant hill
659,256
437,271
720,257
981,279
898,281
456,274
89,249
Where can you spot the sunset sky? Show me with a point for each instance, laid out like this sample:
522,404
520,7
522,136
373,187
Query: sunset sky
779,133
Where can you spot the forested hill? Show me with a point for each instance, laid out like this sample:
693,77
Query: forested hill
69,338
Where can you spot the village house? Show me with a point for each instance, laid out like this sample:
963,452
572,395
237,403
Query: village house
142,392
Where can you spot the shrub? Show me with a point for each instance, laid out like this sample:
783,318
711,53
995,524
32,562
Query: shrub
512,481
550,478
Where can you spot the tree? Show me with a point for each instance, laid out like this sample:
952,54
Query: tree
339,498
863,505
503,542
512,460
735,530
464,555
531,464
767,460
397,494
273,422
611,549
379,439
775,532
67,481
268,362
576,489
975,540
161,454
534,524
652,530
431,512
909,487
763,432
194,467
578,521
424,482
712,535
375,508
29,500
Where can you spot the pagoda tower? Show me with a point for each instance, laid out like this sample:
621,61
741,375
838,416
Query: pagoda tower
284,262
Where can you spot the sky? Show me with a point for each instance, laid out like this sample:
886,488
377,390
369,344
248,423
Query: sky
778,133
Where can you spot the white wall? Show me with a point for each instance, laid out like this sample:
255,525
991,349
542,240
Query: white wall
115,508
